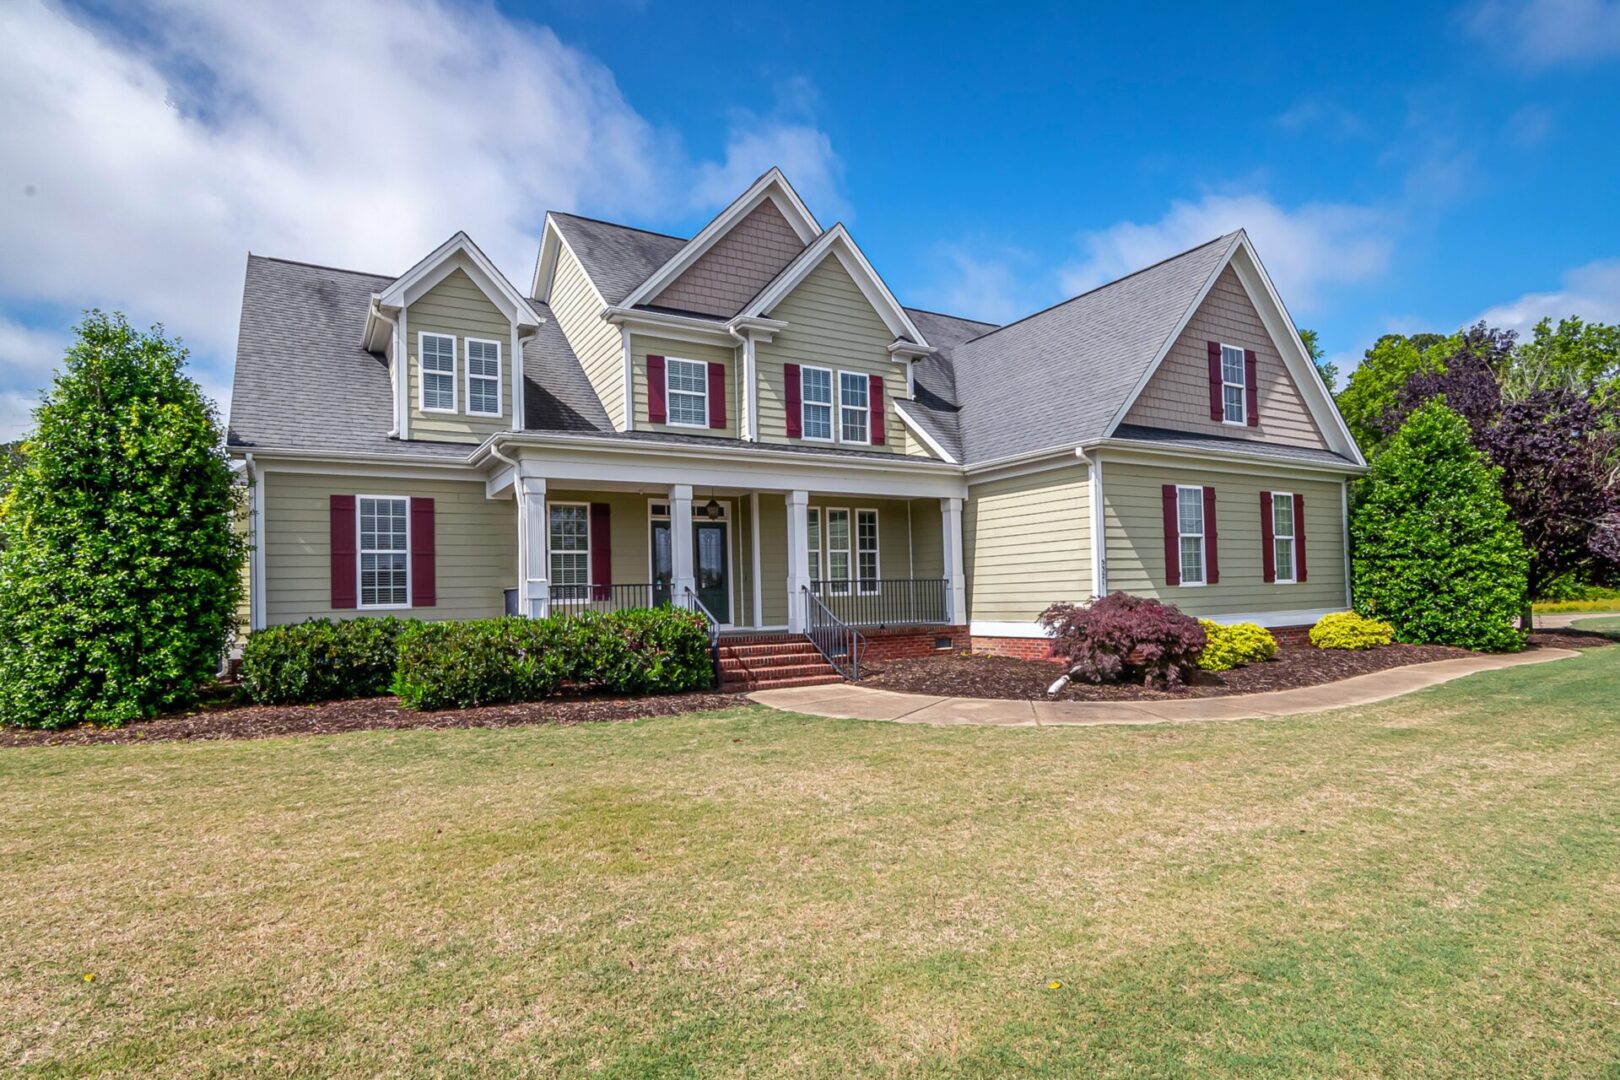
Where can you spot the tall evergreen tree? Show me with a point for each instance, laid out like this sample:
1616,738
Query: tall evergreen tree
121,572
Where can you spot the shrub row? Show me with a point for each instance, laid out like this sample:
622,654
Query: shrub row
1233,646
456,664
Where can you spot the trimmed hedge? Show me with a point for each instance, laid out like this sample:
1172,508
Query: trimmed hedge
1123,638
500,661
1234,646
1347,630
319,660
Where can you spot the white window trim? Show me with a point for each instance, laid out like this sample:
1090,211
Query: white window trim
1243,386
1203,541
669,395
499,410
1292,538
826,543
422,372
832,404
360,552
552,552
877,551
838,420
820,550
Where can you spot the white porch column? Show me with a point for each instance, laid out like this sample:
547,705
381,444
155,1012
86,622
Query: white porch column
956,581
533,535
753,536
798,530
680,540
749,405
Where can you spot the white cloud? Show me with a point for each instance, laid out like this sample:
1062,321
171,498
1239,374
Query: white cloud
358,134
803,152
1591,292
1315,114
16,414
1545,33
995,288
29,351
1305,249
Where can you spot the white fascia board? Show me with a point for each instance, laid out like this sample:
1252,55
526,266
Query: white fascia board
772,185
438,264
922,435
837,241
399,467
1175,335
1142,452
663,324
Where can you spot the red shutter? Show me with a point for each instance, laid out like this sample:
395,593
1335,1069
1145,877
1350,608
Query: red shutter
795,401
601,552
1251,386
1299,538
1268,534
878,434
1217,408
717,395
424,580
657,411
1212,539
1172,538
344,573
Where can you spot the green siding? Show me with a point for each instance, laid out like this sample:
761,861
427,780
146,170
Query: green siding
598,344
641,345
458,307
475,539
1135,528
1026,543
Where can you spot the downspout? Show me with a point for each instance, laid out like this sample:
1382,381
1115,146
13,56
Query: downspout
395,369
517,501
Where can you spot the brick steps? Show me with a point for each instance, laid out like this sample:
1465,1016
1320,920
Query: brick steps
771,661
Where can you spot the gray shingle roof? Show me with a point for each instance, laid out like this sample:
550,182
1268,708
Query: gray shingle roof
1189,441
617,257
1059,376
936,405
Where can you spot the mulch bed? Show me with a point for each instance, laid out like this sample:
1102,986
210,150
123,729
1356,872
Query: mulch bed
232,720
979,676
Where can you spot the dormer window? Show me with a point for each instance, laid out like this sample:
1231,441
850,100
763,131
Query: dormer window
483,377
1234,386
688,392
438,355
817,402
854,410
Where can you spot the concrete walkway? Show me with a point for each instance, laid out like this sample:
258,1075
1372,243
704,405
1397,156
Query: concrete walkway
851,702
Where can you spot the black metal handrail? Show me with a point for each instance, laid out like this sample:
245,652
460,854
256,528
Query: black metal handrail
836,640
878,602
690,601
573,599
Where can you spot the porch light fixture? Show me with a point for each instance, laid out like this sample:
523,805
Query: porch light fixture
711,510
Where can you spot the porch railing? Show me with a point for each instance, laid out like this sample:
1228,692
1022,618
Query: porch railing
834,638
574,599
690,601
880,602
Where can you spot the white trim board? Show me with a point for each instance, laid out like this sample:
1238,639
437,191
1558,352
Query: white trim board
1304,617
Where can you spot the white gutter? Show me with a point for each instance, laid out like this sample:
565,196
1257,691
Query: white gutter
723,453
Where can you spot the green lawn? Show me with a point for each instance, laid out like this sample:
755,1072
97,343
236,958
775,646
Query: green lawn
1428,887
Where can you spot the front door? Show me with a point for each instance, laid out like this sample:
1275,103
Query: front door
709,566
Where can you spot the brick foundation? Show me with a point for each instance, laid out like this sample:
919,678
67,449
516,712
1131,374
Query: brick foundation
1019,648
907,642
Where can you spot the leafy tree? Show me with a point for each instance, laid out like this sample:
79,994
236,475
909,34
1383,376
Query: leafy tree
1329,372
1552,446
119,583
1578,356
1375,385
1436,554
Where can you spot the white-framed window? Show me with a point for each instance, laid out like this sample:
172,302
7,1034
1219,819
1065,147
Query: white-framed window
1282,535
816,403
838,551
437,353
570,547
854,407
483,377
686,392
866,550
1190,528
1234,386
385,550
812,521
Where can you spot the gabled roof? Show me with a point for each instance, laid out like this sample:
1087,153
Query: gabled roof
1058,377
773,186
935,405
837,243
616,258
457,252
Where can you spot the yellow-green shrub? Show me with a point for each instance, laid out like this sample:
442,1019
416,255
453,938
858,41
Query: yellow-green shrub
1233,646
1347,630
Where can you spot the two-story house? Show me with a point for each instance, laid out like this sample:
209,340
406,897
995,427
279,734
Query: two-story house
749,421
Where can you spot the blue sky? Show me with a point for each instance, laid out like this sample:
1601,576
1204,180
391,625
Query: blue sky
1399,167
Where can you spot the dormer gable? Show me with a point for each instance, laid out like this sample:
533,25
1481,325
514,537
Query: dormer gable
739,265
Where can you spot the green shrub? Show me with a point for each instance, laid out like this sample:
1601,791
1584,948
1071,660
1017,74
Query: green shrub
1435,553
320,660
1347,630
121,570
499,661
1233,646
